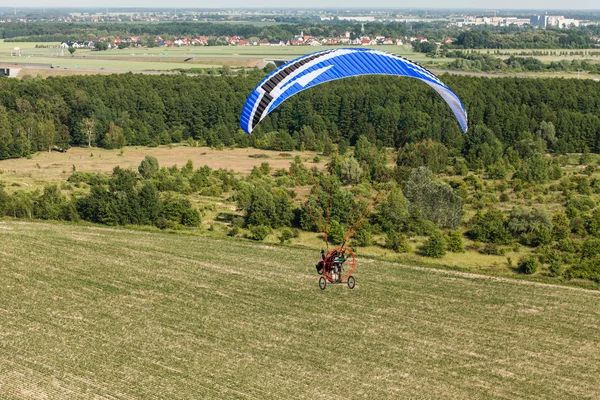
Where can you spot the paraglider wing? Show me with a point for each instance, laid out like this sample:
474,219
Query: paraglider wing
324,66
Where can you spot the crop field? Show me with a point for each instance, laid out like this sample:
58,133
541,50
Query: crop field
89,312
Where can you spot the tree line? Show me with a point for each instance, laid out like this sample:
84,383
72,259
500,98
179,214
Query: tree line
108,111
479,37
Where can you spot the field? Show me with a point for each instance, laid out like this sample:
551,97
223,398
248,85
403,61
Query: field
164,59
91,312
43,168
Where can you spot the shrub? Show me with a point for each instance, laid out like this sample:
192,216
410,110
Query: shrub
582,203
560,228
528,265
259,232
489,227
556,268
590,248
504,198
454,242
435,246
586,270
286,235
567,245
362,237
397,242
492,249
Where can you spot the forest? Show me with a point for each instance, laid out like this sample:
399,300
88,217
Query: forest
398,165
107,111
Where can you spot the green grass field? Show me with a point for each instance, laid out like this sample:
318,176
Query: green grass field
89,312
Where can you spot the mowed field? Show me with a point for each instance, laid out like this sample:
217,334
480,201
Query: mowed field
90,312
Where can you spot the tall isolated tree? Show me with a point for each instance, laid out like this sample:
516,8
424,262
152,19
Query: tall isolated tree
89,127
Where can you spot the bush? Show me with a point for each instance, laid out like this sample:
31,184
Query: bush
528,265
286,235
362,237
582,203
259,232
556,268
397,242
586,270
590,248
489,227
454,242
504,198
492,249
435,246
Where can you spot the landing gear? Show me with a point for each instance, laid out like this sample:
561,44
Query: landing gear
351,282
322,283
337,267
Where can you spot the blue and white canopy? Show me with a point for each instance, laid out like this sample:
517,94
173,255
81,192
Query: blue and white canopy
324,66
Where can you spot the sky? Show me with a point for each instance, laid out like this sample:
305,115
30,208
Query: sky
487,4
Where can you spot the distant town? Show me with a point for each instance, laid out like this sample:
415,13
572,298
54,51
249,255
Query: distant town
541,20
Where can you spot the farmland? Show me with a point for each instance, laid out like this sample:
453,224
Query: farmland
97,312
162,59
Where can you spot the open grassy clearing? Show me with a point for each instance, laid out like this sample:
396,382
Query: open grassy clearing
43,167
89,312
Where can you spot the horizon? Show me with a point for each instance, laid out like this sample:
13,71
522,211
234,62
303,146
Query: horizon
267,7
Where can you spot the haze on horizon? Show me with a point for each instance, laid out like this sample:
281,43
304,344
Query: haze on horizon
341,4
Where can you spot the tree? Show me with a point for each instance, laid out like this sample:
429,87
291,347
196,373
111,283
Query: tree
397,242
50,204
150,204
433,155
435,246
454,242
434,200
533,169
6,137
261,208
350,171
392,213
101,46
89,127
115,137
148,167
47,134
482,147
335,234
489,227
72,50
